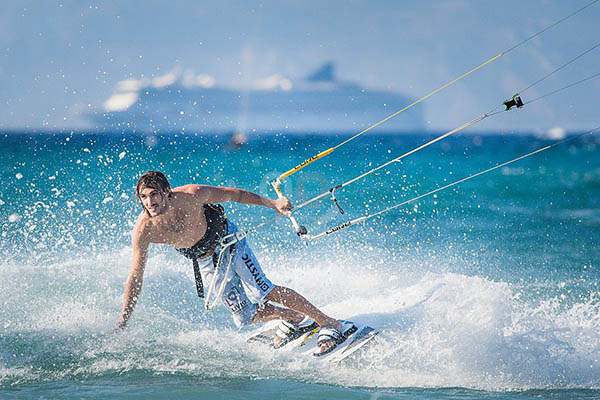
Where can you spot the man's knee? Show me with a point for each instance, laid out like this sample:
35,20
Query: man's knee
279,292
274,294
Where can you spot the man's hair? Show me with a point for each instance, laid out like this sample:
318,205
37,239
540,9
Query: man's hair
154,180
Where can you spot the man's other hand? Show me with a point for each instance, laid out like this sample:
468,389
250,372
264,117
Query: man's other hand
283,206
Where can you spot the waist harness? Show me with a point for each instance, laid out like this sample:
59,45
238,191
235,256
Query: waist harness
215,227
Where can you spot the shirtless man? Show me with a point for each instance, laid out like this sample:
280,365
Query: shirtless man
187,219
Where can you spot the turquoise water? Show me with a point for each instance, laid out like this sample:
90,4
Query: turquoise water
488,290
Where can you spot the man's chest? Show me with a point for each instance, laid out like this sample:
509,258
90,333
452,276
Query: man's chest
183,231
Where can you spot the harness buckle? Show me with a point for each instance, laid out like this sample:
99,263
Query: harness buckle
231,239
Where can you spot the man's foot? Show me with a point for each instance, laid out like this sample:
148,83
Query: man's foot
329,338
288,331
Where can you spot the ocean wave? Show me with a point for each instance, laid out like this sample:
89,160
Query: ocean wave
438,329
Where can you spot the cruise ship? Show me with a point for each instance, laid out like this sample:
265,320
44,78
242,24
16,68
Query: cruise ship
318,103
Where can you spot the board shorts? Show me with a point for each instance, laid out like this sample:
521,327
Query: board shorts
247,284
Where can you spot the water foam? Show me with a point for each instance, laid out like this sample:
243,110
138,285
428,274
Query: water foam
438,329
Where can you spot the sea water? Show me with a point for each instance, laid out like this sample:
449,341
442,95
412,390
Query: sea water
486,290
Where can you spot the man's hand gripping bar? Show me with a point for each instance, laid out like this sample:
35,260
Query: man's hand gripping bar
300,229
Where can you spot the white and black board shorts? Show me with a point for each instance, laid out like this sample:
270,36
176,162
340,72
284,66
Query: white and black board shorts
247,284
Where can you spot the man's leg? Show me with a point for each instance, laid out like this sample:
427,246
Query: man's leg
269,312
298,305
293,300
259,286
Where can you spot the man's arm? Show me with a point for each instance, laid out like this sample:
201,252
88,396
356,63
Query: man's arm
133,286
211,194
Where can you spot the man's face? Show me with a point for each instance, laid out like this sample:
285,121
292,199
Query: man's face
153,200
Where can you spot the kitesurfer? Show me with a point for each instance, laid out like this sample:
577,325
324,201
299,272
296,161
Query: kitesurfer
189,219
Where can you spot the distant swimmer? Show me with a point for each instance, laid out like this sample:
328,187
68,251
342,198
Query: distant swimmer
189,219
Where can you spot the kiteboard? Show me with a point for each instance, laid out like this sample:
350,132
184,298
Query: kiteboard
306,344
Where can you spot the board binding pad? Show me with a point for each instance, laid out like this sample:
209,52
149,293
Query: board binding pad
307,343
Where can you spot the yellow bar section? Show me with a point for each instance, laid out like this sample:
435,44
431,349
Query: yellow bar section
305,163
275,185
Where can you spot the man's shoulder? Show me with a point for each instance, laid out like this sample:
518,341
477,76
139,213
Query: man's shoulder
191,188
192,195
143,226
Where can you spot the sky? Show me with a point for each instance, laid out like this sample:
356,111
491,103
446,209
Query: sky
62,59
